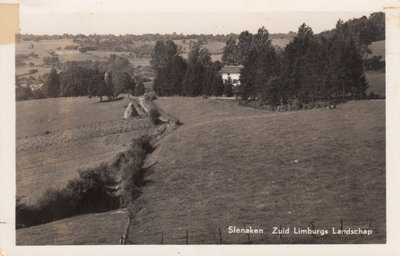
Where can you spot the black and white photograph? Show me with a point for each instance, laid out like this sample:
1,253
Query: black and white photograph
148,123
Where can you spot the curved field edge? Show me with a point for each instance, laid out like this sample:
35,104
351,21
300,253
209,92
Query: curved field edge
235,166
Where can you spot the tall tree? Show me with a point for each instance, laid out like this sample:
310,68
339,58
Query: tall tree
139,86
228,87
169,68
244,45
198,62
51,87
301,67
258,66
231,54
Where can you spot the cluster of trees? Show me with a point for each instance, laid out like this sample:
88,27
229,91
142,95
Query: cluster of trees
367,30
80,81
198,75
311,68
81,78
51,61
108,79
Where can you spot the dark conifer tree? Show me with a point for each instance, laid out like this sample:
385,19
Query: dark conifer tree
51,87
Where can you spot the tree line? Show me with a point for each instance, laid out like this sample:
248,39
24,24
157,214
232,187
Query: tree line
311,68
108,79
328,67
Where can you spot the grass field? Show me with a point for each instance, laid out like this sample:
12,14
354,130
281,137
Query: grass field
96,228
378,48
376,82
55,137
230,165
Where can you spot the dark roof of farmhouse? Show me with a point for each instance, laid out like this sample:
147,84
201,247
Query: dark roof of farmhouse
231,69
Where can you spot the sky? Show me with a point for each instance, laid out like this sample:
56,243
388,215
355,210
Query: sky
186,23
185,16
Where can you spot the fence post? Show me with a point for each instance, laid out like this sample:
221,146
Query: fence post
341,224
220,237
187,237
313,227
162,236
125,236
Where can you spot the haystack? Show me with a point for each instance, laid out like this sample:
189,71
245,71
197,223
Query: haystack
130,111
138,108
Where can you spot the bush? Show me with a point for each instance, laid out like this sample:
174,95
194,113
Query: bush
33,71
19,59
38,94
71,47
34,55
149,96
23,93
53,60
154,115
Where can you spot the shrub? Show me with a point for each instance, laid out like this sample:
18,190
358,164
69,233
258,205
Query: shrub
33,71
19,59
71,47
34,55
149,96
38,94
53,60
23,93
154,115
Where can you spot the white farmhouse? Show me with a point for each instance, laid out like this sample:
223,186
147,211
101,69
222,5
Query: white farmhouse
233,72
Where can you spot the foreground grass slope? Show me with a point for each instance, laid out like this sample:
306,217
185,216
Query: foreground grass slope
55,137
95,228
237,166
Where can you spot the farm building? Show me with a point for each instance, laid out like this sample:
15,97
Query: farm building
233,72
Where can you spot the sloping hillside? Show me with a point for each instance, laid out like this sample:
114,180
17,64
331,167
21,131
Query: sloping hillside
235,166
95,228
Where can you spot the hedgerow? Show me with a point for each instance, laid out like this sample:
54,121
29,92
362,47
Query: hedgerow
91,191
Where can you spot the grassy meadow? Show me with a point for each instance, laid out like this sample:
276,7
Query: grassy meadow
229,165
87,229
57,136
226,165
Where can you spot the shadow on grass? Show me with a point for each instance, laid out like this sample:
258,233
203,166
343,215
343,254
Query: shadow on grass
142,173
